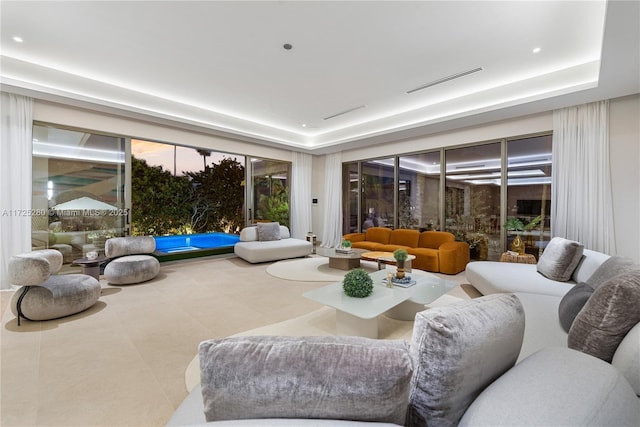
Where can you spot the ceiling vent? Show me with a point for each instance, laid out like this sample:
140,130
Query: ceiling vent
344,112
446,79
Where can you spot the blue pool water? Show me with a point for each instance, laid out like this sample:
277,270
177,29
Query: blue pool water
194,242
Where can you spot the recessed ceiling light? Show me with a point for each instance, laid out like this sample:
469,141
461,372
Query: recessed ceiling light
304,125
17,39
287,46
536,50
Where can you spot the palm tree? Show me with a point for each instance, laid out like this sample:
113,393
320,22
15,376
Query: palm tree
204,153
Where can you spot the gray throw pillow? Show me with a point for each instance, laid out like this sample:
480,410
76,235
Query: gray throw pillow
610,268
459,350
348,378
611,312
571,304
268,231
560,258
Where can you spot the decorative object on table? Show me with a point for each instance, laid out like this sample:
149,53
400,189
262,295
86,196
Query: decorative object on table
92,255
400,256
516,225
345,247
517,245
357,283
403,282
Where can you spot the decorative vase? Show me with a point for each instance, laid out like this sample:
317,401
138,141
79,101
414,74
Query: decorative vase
400,269
517,245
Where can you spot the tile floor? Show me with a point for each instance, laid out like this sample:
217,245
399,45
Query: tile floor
122,362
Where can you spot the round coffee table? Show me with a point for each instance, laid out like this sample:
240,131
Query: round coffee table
344,261
386,258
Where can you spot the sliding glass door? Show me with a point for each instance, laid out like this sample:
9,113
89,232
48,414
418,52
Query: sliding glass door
269,191
78,190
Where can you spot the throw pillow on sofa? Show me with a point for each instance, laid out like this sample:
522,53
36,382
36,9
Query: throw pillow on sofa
577,297
348,378
571,304
268,231
459,350
560,258
607,317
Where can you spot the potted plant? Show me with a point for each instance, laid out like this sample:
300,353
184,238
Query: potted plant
400,256
346,244
357,283
515,224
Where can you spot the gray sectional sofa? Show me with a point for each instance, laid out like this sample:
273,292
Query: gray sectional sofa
270,242
559,312
458,369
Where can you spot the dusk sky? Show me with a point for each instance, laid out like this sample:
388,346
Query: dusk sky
187,158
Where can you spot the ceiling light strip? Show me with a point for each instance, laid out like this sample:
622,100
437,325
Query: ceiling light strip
344,112
446,79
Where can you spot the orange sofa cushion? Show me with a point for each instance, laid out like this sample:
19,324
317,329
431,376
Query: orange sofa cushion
433,239
403,237
378,234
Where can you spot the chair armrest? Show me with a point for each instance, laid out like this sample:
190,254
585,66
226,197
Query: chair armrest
453,257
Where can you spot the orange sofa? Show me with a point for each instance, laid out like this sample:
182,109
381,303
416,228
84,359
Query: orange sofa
435,251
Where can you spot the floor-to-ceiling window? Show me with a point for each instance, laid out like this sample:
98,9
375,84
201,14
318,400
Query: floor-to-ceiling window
419,191
269,191
350,197
462,189
472,196
78,190
184,190
377,203
529,191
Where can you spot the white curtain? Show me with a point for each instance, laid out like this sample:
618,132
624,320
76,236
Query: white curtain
300,195
15,179
582,209
332,215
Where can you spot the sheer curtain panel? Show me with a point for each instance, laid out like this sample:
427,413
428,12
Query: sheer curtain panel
300,195
332,216
15,179
582,207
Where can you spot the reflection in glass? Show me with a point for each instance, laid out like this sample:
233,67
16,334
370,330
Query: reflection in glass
350,197
419,191
270,186
377,207
472,197
78,190
529,191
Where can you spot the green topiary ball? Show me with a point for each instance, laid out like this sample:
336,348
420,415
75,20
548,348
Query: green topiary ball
357,283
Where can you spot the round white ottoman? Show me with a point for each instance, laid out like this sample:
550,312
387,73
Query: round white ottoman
131,269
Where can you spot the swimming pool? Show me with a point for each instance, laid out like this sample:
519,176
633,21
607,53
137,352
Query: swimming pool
193,245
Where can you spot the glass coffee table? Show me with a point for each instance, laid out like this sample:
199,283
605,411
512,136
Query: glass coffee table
358,316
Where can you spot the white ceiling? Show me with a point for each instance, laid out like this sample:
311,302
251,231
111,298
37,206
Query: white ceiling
221,66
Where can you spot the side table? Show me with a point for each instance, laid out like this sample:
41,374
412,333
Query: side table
91,267
522,259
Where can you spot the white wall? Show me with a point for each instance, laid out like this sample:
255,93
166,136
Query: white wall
624,152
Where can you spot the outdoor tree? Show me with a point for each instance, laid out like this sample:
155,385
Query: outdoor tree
218,197
160,201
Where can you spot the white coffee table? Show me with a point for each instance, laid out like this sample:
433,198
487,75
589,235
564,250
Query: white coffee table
358,316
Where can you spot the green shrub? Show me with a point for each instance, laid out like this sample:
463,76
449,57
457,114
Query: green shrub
357,283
